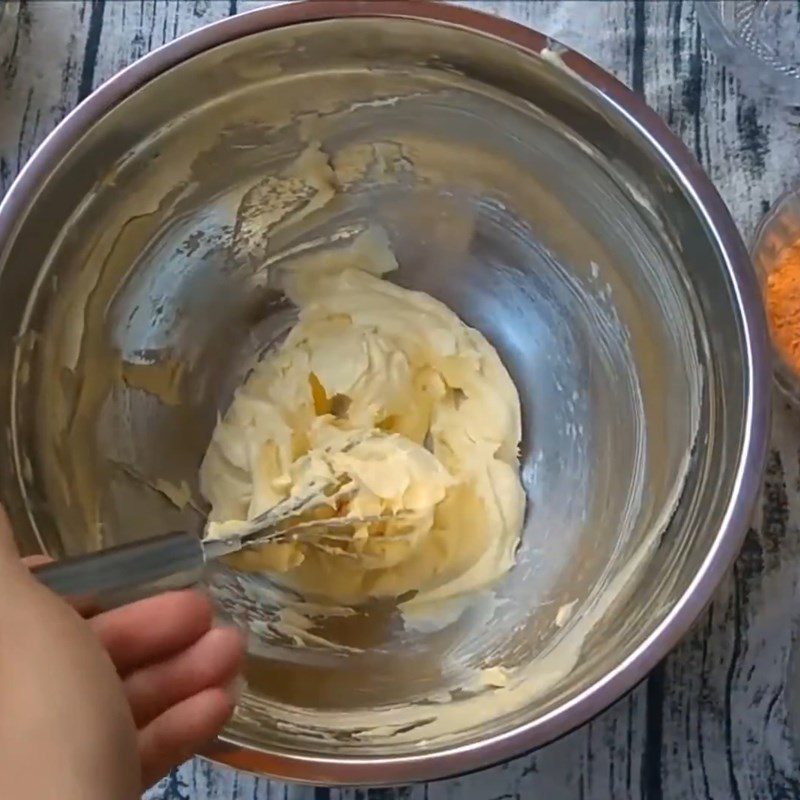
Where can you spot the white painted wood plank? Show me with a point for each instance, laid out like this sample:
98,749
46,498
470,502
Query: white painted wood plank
41,61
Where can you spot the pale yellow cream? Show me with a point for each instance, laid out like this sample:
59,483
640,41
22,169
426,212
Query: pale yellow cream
387,391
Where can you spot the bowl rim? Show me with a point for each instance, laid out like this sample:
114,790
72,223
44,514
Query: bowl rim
385,770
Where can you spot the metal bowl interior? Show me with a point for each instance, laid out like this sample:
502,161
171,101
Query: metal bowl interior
133,298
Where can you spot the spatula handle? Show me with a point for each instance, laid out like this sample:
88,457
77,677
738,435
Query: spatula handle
129,572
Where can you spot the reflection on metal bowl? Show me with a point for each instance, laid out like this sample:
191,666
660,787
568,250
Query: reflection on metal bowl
519,184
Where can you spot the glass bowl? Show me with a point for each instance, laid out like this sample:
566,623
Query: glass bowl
759,40
779,230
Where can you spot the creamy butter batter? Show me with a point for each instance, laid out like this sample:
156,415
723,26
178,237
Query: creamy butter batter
390,389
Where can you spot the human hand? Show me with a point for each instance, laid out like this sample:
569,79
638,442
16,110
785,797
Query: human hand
104,706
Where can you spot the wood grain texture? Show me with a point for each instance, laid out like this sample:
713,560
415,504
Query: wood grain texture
714,720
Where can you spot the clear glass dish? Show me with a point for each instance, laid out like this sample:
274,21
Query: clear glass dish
759,40
777,231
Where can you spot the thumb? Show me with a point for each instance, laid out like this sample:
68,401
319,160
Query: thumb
12,567
8,547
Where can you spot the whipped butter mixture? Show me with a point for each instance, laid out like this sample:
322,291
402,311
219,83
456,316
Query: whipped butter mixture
387,394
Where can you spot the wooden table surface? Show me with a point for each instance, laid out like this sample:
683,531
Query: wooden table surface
713,720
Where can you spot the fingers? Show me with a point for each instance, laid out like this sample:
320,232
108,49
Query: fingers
213,660
151,630
180,731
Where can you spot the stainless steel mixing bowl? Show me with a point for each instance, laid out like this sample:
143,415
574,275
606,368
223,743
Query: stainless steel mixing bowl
522,186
